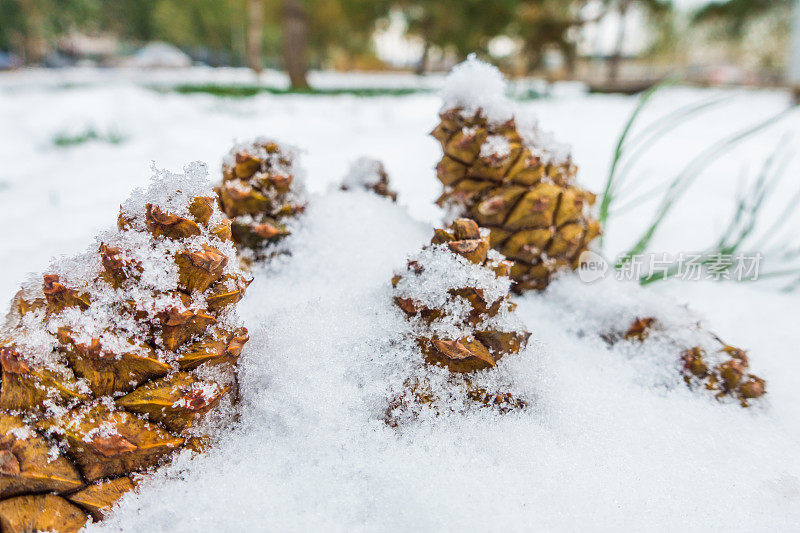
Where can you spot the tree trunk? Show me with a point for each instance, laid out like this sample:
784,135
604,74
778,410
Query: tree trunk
295,41
616,57
255,27
32,43
570,59
422,66
793,65
533,57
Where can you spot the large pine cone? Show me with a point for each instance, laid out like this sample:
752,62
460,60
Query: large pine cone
114,361
261,190
524,194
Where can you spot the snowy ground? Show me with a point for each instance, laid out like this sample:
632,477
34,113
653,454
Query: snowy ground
613,441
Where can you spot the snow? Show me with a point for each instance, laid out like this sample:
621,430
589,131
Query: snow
22,432
434,270
364,172
612,439
158,55
170,191
476,87
497,146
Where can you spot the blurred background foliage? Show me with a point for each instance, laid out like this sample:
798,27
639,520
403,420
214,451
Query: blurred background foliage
561,39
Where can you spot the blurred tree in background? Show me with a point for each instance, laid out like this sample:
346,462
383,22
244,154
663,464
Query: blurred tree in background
310,32
736,14
456,26
301,34
130,19
652,8
754,32
548,24
192,24
28,26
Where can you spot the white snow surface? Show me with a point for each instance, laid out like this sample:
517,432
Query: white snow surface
612,439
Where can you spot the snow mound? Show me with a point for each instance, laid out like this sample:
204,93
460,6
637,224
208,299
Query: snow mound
158,55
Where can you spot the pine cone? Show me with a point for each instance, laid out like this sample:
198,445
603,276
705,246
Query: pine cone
368,174
723,371
728,376
261,190
513,181
456,294
113,362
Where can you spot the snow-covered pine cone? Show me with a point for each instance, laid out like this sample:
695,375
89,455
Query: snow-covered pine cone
722,369
727,377
261,191
118,358
368,174
499,169
455,293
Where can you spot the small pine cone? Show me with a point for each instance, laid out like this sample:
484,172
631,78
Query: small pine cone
407,404
724,371
261,191
119,360
455,292
368,174
639,330
518,185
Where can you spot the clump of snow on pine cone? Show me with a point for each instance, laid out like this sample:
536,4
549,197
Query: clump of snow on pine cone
477,87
